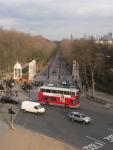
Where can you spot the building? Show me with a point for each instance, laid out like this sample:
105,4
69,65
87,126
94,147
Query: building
17,71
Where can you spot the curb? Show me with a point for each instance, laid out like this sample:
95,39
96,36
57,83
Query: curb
99,100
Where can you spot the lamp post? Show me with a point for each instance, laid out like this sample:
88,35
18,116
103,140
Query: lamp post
48,72
29,93
59,72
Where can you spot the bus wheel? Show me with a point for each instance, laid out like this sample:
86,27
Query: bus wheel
46,103
65,106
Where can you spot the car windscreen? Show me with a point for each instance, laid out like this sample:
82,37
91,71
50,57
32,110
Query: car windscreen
83,116
39,107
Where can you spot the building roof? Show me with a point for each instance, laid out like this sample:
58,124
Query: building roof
17,66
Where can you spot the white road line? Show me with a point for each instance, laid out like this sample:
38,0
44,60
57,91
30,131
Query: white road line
95,139
110,129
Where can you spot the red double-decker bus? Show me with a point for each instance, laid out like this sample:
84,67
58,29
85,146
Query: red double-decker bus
59,96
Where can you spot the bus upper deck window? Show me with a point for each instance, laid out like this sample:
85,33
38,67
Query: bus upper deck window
58,92
78,93
66,92
54,91
61,92
72,93
42,90
48,91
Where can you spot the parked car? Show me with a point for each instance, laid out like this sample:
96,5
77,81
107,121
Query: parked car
1,87
26,86
33,107
50,84
34,83
40,83
37,83
9,99
77,116
54,71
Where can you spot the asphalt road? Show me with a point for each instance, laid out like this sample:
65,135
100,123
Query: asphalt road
55,123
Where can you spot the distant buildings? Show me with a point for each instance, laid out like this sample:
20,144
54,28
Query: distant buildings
105,39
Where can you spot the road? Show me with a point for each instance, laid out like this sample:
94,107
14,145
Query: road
55,123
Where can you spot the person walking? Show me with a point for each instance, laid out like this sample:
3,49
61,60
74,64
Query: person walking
12,113
16,93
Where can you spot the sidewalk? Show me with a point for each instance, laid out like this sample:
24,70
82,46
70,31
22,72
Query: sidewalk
23,139
3,128
101,98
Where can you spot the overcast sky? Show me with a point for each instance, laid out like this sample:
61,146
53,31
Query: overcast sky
58,19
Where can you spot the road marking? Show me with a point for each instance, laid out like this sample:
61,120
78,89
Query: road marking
93,146
109,138
110,129
95,139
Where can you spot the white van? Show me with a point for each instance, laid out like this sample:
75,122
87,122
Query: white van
32,107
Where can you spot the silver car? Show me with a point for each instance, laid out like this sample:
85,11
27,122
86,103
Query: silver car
77,116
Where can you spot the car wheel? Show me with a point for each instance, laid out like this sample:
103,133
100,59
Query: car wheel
23,110
2,101
84,122
13,102
72,119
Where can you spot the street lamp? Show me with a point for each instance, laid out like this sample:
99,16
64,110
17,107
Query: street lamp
29,93
48,72
59,72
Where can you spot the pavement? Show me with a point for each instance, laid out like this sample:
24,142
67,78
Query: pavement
3,128
102,98
23,139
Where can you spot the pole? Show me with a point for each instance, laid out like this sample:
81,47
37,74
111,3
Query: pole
29,93
59,72
48,72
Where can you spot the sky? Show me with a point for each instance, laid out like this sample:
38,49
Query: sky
58,19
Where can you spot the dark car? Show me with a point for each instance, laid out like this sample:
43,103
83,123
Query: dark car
34,83
37,83
9,99
54,71
1,87
26,86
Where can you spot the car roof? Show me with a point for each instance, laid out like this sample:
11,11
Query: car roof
76,112
6,96
30,102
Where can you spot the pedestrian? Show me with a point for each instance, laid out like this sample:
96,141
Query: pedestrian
12,113
16,93
12,121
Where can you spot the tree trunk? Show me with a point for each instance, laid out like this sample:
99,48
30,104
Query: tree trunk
86,80
93,82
